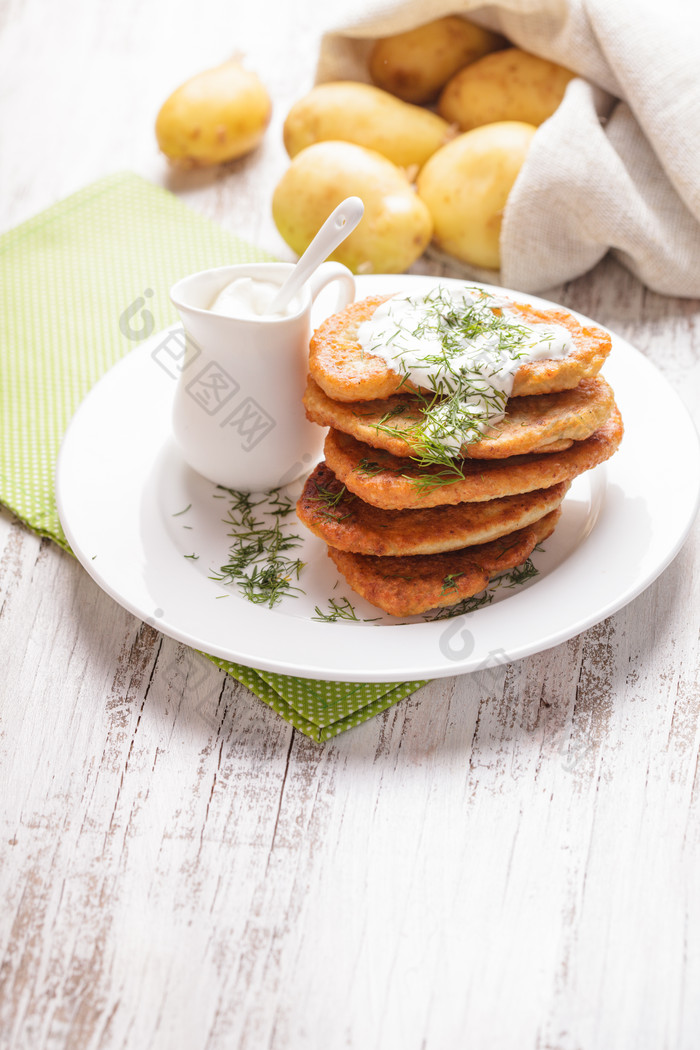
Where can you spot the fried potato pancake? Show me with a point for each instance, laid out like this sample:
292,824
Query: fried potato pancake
385,481
407,586
341,368
531,424
345,522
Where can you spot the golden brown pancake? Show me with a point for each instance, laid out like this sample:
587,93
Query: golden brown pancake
531,424
383,480
339,366
407,586
345,522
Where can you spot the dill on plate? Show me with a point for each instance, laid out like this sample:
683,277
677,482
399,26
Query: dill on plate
258,563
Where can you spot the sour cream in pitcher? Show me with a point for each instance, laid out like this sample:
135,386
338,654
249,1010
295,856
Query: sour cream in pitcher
248,298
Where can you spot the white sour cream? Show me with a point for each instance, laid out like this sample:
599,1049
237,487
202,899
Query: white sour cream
247,298
451,342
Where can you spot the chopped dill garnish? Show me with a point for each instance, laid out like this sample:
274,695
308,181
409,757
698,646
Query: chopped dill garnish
369,468
465,352
521,574
280,505
450,582
329,502
258,563
194,557
340,610
451,472
513,578
184,511
466,605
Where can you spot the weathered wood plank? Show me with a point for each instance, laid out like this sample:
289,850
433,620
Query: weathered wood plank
508,859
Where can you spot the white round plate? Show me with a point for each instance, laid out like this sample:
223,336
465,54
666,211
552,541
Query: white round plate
151,532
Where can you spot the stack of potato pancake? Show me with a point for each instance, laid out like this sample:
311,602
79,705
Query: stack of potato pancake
412,533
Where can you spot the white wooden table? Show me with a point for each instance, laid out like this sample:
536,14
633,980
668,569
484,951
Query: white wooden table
507,860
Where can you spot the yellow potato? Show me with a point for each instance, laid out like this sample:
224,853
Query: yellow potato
352,112
213,117
416,64
507,85
466,184
396,226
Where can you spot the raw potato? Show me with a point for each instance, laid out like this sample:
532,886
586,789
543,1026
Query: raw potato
415,65
214,117
396,226
466,185
359,113
507,85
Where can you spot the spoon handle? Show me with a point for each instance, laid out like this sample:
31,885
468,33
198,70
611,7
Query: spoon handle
339,224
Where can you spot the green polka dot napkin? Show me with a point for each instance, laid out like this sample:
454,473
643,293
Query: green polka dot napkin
80,285
319,709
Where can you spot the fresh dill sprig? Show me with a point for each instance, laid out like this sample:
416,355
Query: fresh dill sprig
258,564
450,582
426,450
451,472
280,505
369,468
513,578
329,502
340,610
266,585
471,351
466,605
521,574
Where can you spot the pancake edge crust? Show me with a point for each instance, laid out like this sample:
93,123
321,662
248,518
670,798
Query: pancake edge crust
531,424
408,586
398,483
344,521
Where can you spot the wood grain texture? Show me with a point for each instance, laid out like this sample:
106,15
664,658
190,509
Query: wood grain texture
509,859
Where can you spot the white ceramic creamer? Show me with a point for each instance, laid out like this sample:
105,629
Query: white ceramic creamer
238,416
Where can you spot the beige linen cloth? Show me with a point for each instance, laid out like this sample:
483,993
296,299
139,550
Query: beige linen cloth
617,167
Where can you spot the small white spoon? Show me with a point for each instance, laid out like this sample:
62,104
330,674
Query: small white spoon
335,229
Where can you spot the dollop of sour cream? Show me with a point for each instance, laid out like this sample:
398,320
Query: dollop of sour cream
451,342
248,298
